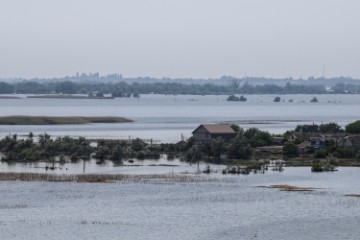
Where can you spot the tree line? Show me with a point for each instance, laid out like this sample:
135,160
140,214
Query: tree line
120,89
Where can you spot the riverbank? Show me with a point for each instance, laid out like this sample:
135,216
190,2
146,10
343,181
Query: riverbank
50,120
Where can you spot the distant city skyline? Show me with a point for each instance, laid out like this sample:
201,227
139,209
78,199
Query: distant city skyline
180,39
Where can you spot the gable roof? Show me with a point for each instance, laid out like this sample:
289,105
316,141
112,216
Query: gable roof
217,128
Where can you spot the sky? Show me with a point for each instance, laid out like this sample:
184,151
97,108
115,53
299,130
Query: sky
180,38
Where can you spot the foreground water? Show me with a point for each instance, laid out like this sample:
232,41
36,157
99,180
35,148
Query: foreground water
166,118
229,208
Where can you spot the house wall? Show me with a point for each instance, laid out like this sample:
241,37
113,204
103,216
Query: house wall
202,135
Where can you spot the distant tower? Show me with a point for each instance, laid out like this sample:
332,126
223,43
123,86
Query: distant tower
323,75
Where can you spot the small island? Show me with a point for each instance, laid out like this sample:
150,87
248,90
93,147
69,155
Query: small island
53,120
233,98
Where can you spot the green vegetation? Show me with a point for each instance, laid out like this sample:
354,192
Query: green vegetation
353,127
290,149
46,120
330,128
327,165
233,98
45,148
236,99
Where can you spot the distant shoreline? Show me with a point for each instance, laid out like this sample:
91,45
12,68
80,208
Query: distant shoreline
52,120
9,97
68,97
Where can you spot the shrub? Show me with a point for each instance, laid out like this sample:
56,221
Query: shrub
277,99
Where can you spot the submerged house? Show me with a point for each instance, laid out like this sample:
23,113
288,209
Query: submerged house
210,132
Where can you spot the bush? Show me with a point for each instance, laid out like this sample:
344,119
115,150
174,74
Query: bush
277,99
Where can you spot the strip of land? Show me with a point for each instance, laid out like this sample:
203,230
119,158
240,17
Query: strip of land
9,97
47,120
68,96
289,188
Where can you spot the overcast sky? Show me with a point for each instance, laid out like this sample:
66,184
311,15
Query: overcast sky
180,38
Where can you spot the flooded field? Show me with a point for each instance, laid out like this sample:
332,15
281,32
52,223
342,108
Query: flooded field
229,207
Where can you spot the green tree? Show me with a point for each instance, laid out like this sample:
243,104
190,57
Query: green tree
239,130
258,138
290,149
137,144
330,128
239,148
217,147
353,127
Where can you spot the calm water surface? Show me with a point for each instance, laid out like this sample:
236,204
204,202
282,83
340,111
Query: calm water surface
165,117
229,208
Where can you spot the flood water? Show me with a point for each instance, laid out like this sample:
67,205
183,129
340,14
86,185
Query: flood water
134,166
230,208
166,117
219,207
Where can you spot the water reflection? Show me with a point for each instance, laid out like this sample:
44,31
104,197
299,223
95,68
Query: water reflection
132,166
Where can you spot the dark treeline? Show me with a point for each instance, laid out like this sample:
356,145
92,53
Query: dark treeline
287,89
121,88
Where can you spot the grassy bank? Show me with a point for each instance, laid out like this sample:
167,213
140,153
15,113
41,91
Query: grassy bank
46,120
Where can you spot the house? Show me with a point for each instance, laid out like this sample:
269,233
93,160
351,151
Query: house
210,132
352,141
317,142
304,147
301,136
181,144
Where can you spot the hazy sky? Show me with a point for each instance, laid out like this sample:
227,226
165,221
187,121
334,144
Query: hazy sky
180,38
